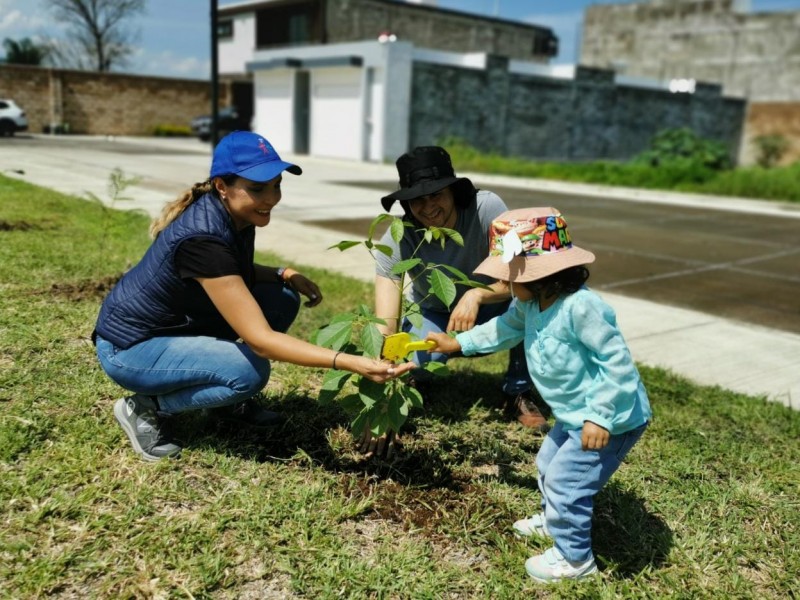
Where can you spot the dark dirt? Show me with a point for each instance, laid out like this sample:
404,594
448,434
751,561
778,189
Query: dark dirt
85,290
18,226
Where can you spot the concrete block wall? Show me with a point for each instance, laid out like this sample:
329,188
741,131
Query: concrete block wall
753,55
104,103
589,117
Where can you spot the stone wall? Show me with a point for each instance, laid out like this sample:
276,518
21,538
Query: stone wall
434,28
585,118
753,55
104,103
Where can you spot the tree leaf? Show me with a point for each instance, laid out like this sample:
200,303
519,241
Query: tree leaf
442,287
412,396
453,235
459,274
415,319
332,384
405,265
345,245
352,404
397,411
377,220
384,249
437,368
335,335
397,229
371,340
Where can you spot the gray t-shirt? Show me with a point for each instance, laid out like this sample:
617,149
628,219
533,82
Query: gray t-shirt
473,225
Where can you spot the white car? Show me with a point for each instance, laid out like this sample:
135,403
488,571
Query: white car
12,118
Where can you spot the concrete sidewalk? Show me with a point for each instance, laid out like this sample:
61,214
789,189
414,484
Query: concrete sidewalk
706,349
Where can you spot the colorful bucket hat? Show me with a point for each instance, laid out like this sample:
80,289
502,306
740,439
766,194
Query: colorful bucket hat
529,244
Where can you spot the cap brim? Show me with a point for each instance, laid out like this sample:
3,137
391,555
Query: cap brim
522,269
269,170
421,188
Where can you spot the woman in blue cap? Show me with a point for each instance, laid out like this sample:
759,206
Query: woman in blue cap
196,322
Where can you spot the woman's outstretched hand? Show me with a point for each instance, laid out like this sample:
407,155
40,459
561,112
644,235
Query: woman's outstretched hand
379,371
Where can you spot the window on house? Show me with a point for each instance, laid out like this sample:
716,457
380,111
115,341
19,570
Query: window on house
224,29
546,45
289,25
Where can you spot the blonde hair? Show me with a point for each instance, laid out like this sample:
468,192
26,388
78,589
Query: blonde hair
172,210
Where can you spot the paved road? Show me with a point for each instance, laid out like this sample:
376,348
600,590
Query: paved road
705,287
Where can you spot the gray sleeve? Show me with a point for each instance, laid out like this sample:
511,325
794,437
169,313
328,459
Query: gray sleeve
490,206
383,263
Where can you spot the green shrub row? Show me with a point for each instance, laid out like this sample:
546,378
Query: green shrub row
677,160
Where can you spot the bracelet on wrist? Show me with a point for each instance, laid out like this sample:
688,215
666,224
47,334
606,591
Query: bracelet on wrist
285,274
335,356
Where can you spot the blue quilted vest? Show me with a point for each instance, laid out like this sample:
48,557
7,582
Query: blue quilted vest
152,300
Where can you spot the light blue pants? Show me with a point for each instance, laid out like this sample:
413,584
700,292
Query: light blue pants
569,479
194,372
516,379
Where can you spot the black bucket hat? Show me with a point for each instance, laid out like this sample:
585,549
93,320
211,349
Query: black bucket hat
423,171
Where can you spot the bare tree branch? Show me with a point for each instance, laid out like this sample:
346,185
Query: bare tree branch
98,28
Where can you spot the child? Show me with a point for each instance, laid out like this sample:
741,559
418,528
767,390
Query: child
580,364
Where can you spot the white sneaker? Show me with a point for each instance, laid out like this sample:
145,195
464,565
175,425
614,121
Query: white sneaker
551,567
534,526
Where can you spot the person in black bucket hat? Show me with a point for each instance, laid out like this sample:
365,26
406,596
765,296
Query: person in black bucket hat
432,195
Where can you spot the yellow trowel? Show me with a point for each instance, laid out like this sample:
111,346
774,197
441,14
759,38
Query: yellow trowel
399,345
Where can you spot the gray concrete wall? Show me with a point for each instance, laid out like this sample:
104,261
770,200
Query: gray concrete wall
586,118
754,55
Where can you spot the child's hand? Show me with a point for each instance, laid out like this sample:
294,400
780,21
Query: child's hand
594,437
444,343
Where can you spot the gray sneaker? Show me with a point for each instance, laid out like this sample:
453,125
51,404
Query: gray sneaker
139,419
532,526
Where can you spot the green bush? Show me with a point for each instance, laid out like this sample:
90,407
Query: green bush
770,149
172,131
683,147
679,173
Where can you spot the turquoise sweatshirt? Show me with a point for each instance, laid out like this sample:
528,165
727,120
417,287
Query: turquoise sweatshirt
577,359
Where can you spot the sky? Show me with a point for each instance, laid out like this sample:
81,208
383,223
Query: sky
175,34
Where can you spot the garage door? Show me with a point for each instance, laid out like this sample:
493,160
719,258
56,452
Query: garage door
336,113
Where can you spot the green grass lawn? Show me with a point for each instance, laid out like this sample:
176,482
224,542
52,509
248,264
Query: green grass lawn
706,506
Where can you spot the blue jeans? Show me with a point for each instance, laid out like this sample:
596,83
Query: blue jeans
516,379
194,372
569,478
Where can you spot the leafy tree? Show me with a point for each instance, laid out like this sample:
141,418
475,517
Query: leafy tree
383,408
24,52
98,29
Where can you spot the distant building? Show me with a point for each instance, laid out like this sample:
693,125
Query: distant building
253,25
369,79
751,55
309,58
754,55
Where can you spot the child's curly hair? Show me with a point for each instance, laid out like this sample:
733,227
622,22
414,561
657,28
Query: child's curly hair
568,281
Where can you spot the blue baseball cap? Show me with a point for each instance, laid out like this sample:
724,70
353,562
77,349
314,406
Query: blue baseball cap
249,155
